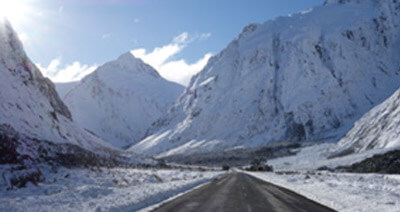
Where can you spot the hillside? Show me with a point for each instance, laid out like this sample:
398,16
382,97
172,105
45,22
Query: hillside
121,99
304,77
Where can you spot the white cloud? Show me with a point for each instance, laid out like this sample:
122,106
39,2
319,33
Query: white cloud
161,58
160,55
61,9
205,36
181,39
178,71
105,36
72,72
136,20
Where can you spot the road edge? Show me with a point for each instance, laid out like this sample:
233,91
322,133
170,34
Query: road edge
313,198
160,204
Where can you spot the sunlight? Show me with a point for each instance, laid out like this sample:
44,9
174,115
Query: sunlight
13,10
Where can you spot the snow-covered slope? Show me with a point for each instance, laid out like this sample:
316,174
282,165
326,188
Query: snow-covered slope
37,134
377,129
63,88
308,76
29,103
34,122
102,189
121,99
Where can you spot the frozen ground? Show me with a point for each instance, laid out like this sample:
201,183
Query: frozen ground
102,190
313,157
342,192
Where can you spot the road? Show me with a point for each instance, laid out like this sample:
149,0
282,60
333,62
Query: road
239,192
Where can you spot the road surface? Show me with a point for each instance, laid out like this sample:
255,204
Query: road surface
239,192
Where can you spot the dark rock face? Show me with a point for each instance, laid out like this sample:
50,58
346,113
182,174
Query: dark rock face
8,151
388,163
16,149
294,130
26,157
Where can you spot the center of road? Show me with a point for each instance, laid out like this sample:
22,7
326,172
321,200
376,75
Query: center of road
240,192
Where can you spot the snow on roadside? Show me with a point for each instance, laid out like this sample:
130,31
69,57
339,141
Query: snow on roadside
316,156
103,190
342,191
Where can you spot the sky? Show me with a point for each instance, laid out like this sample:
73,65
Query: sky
68,39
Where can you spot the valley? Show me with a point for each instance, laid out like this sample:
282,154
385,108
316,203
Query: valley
298,113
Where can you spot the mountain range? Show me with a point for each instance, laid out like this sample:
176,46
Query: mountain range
307,77
304,77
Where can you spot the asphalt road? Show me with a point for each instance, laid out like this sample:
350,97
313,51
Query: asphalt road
239,192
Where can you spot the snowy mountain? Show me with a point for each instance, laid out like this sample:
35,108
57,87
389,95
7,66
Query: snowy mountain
304,77
377,129
29,103
37,134
63,88
121,99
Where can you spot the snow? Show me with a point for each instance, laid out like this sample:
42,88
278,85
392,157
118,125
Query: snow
64,87
120,100
308,77
316,156
29,103
153,207
378,129
306,11
342,192
32,116
103,189
205,82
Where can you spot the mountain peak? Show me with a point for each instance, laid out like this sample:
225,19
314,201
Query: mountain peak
127,56
129,62
15,61
30,105
304,77
7,33
127,93
11,47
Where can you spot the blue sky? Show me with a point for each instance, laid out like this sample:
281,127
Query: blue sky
82,34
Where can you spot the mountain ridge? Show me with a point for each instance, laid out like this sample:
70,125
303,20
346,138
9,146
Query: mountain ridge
120,99
305,77
37,132
377,129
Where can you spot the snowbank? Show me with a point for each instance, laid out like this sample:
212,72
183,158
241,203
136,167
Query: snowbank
342,192
103,190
